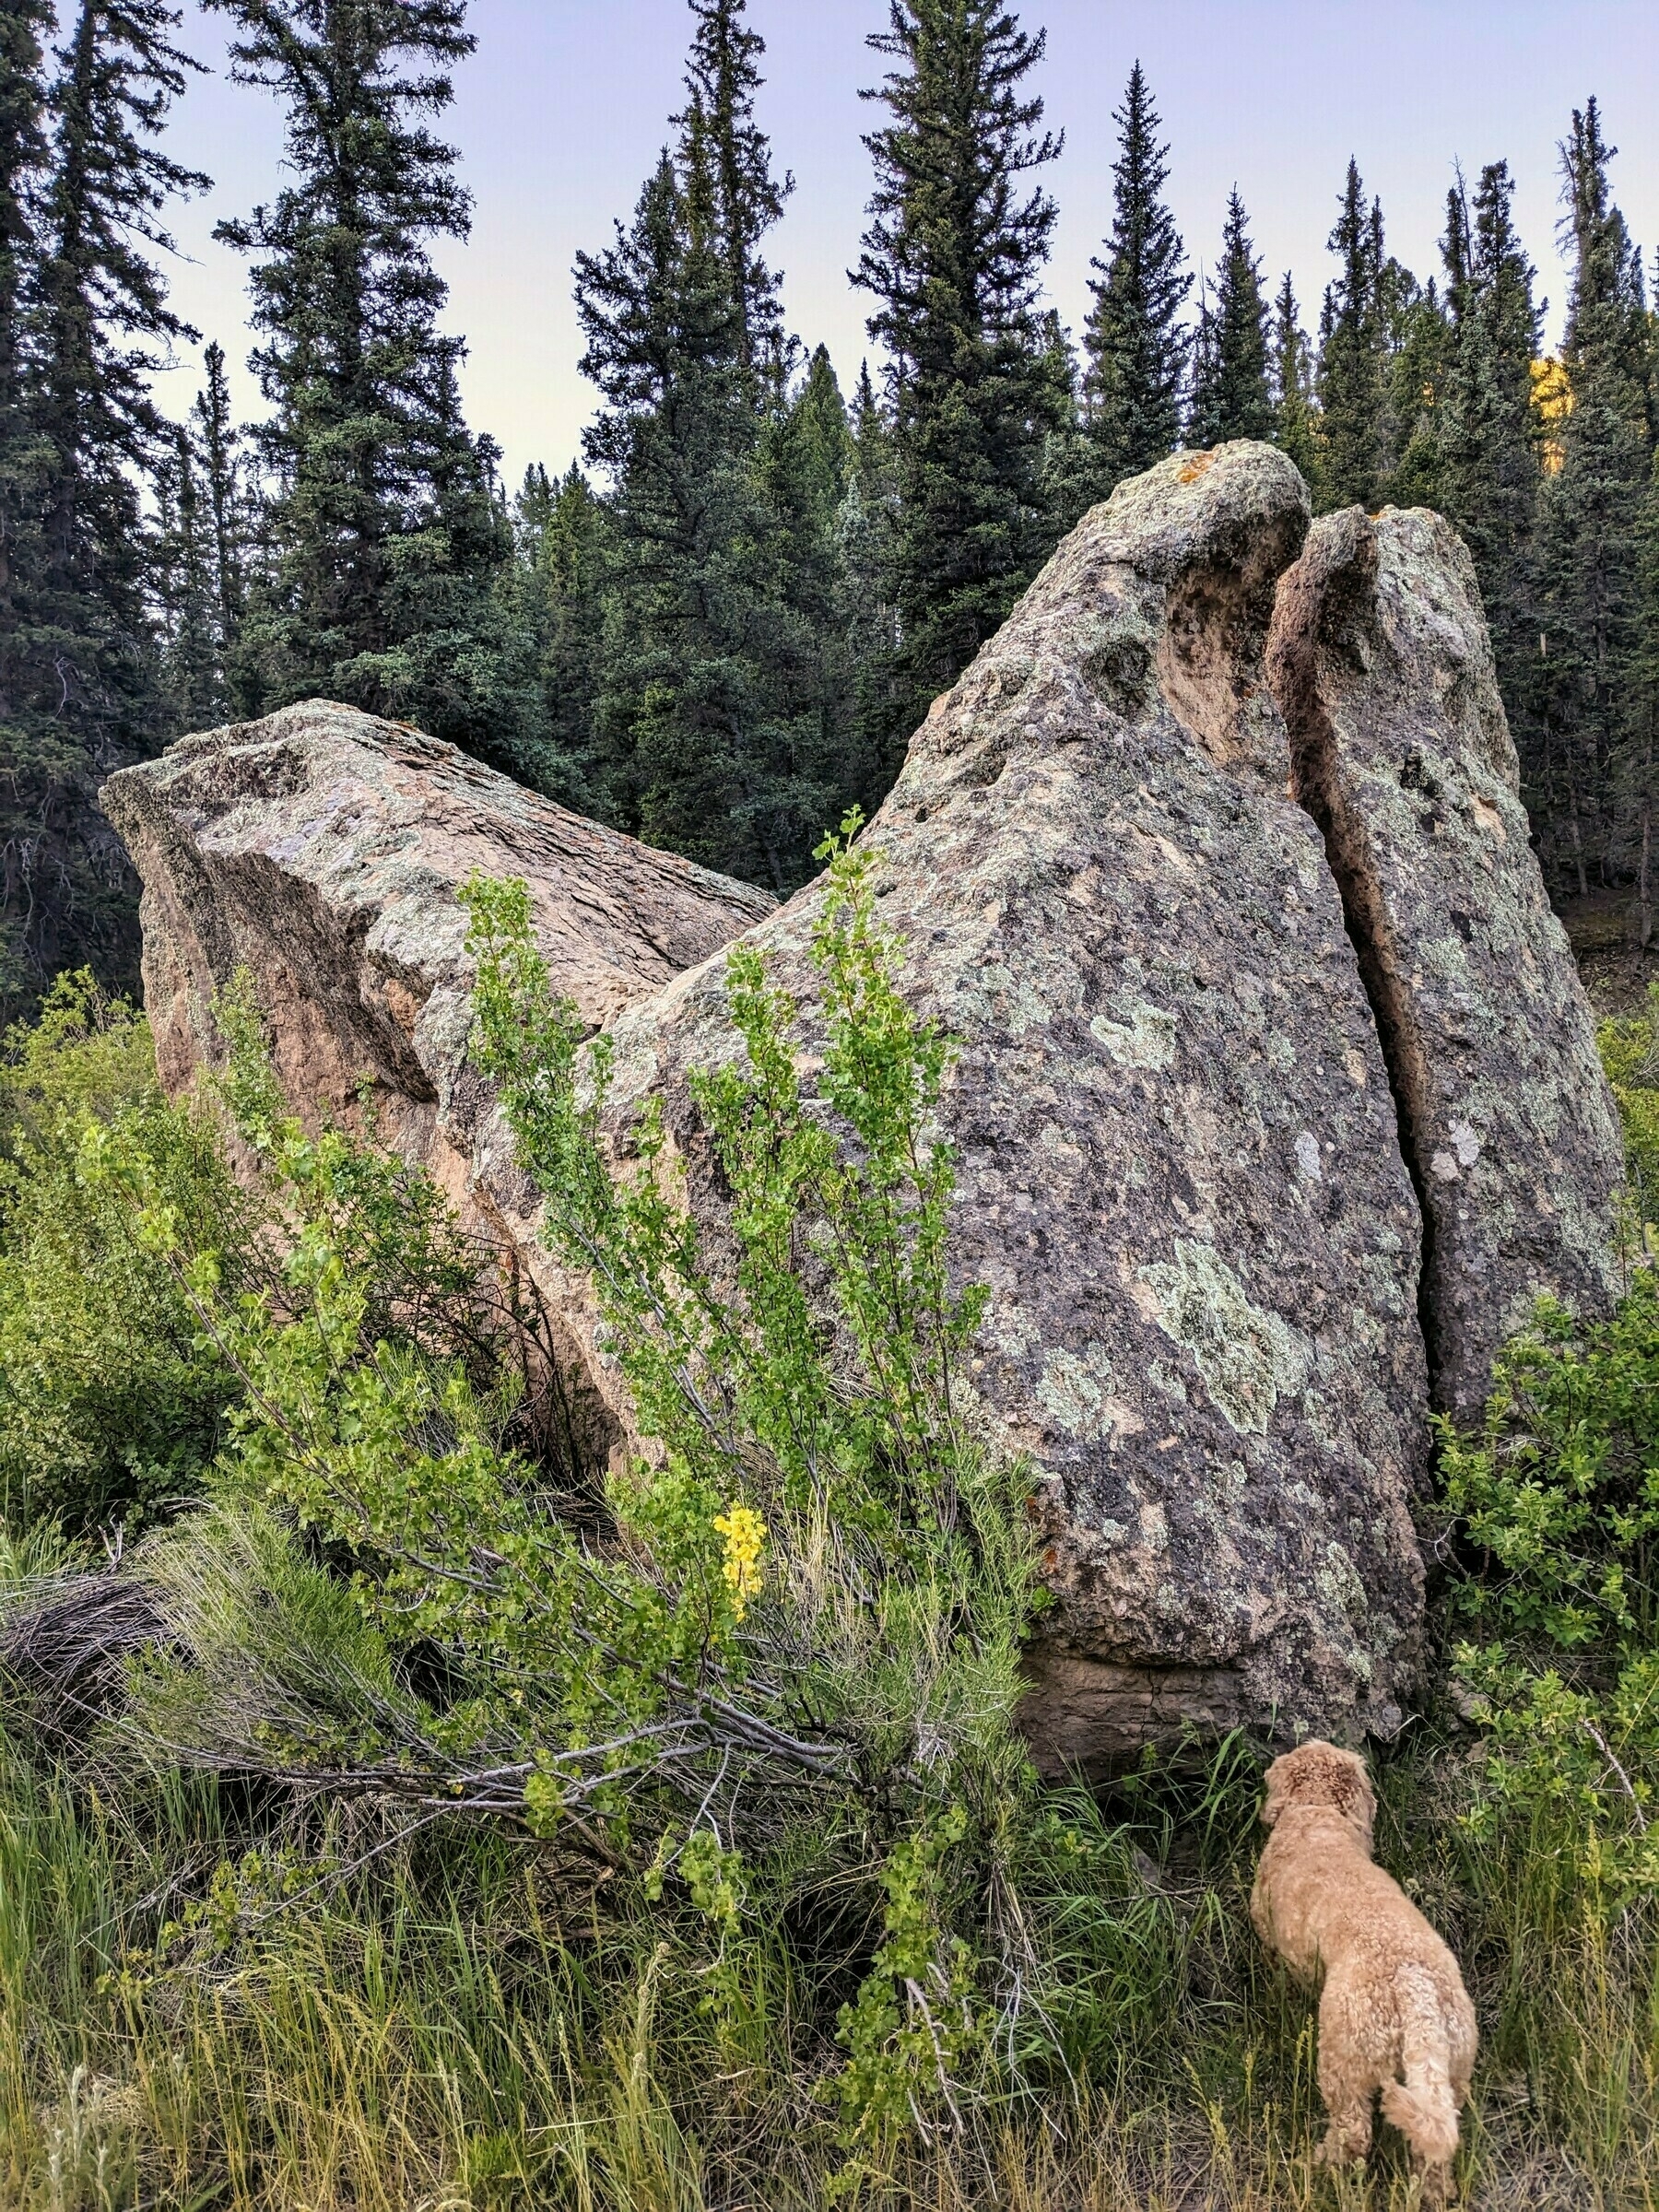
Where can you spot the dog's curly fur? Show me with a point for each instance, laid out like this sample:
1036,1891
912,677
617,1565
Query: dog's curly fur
1394,2014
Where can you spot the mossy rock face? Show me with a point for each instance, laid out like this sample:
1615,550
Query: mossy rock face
1180,1163
1381,661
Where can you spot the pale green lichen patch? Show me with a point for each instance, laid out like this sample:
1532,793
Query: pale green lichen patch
1247,1355
1146,1039
1075,1394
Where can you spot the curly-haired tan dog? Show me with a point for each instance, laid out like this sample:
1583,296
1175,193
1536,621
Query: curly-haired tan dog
1394,2014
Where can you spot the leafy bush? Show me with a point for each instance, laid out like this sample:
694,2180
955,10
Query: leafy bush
1629,1052
776,1658
1558,1501
109,1407
666,1840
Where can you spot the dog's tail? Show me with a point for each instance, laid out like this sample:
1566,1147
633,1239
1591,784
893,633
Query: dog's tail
1423,2106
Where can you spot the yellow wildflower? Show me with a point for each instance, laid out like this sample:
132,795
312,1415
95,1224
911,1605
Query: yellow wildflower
745,1534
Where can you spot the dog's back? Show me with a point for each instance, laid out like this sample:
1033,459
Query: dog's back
1395,2016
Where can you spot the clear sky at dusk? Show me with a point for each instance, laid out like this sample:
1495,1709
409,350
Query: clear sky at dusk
561,111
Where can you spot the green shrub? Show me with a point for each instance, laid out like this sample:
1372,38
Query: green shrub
1559,1499
477,1829
776,1658
1629,1052
110,1406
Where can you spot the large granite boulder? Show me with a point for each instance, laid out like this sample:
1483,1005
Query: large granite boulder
1379,660
1178,1167
1181,1171
322,849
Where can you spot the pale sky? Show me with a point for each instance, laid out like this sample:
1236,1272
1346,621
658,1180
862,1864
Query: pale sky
561,113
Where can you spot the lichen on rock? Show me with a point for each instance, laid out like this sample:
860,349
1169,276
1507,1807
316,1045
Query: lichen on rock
1178,1134
1380,660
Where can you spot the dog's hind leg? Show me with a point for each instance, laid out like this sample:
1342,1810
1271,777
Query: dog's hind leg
1349,2137
1349,2075
1349,2093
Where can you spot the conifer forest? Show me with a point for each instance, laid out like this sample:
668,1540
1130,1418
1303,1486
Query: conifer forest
717,627
829,1367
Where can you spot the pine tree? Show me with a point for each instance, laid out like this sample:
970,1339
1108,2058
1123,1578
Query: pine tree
387,541
1417,337
1134,337
1295,411
1597,774
954,255
1231,395
867,536
80,678
1490,474
745,199
1353,358
216,447
562,532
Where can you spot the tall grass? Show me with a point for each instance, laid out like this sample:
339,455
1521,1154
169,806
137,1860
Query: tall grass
445,2023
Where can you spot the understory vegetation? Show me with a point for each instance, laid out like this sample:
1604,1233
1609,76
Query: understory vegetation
399,1807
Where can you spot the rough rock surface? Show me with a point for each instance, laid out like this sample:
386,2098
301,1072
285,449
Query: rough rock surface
1379,660
1179,1163
322,849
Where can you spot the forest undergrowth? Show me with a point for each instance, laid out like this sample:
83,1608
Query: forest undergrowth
397,1810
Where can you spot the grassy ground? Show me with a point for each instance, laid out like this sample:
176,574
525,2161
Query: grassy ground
445,2028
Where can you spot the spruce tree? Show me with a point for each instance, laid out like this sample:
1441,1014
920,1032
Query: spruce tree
562,536
24,26
1295,410
1353,358
81,688
193,663
745,199
1641,732
386,540
868,536
1137,346
217,447
819,416
1203,402
721,711
1231,394
954,255
673,438
1417,338
710,718
1489,472
803,468
1070,477
1590,536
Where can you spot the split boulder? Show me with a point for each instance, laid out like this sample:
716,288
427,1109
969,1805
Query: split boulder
1139,899
1380,663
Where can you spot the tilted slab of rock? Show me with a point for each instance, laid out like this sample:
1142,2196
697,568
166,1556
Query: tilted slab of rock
1380,660
1180,1163
1179,1170
322,849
